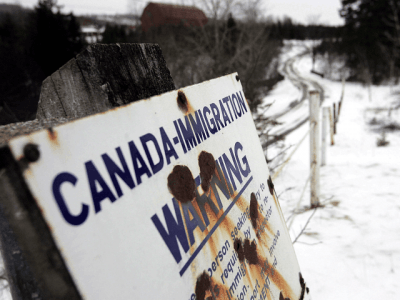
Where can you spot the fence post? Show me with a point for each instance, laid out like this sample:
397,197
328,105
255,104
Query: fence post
103,77
334,118
341,99
314,147
331,127
325,117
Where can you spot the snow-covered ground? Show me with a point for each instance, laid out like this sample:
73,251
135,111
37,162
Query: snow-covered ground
351,247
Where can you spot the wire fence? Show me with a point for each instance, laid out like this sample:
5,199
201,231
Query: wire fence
316,150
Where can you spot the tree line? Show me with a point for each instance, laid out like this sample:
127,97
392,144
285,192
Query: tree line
33,45
369,41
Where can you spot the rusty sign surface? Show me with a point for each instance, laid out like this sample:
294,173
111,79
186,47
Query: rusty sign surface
168,197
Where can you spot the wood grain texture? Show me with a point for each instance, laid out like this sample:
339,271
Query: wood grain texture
49,102
102,77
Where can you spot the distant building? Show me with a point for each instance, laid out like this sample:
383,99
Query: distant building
91,23
92,34
158,14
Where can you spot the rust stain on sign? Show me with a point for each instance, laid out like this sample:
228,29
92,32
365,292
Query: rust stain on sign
207,169
250,252
181,184
303,287
208,288
252,259
247,251
52,135
281,297
270,186
202,285
253,210
183,103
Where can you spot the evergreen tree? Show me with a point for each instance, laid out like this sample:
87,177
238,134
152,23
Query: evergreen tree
33,45
369,24
16,69
233,34
114,34
55,36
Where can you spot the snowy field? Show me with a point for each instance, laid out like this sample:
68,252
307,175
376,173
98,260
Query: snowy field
351,247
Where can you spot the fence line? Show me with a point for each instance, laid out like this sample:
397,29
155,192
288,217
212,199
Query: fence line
315,151
290,156
299,201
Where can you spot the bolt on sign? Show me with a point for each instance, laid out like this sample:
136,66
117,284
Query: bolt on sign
169,197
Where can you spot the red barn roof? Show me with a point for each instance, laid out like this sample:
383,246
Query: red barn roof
158,14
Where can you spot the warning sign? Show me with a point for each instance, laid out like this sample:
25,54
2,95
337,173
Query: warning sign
168,197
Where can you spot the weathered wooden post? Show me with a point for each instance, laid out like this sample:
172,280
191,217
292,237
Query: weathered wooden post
104,77
334,118
341,98
331,126
100,78
325,120
314,147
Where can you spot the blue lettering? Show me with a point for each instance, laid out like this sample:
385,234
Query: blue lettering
241,102
212,129
221,163
192,223
224,114
176,230
197,127
113,169
180,137
145,139
215,111
225,100
93,177
70,218
222,185
246,171
203,122
238,111
232,168
169,149
202,200
187,133
138,163
233,107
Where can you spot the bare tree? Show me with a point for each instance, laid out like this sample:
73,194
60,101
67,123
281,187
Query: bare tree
236,38
391,51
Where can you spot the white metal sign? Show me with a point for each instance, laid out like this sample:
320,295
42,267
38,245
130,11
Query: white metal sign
168,197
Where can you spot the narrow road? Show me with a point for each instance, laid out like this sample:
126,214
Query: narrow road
297,112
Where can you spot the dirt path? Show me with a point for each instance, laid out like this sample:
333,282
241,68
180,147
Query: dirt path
296,113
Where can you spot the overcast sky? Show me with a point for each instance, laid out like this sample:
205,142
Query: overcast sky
325,11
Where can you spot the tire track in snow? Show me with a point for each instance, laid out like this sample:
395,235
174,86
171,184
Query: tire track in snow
305,85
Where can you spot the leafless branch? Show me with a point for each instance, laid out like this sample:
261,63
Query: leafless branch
288,189
310,244
305,226
281,152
